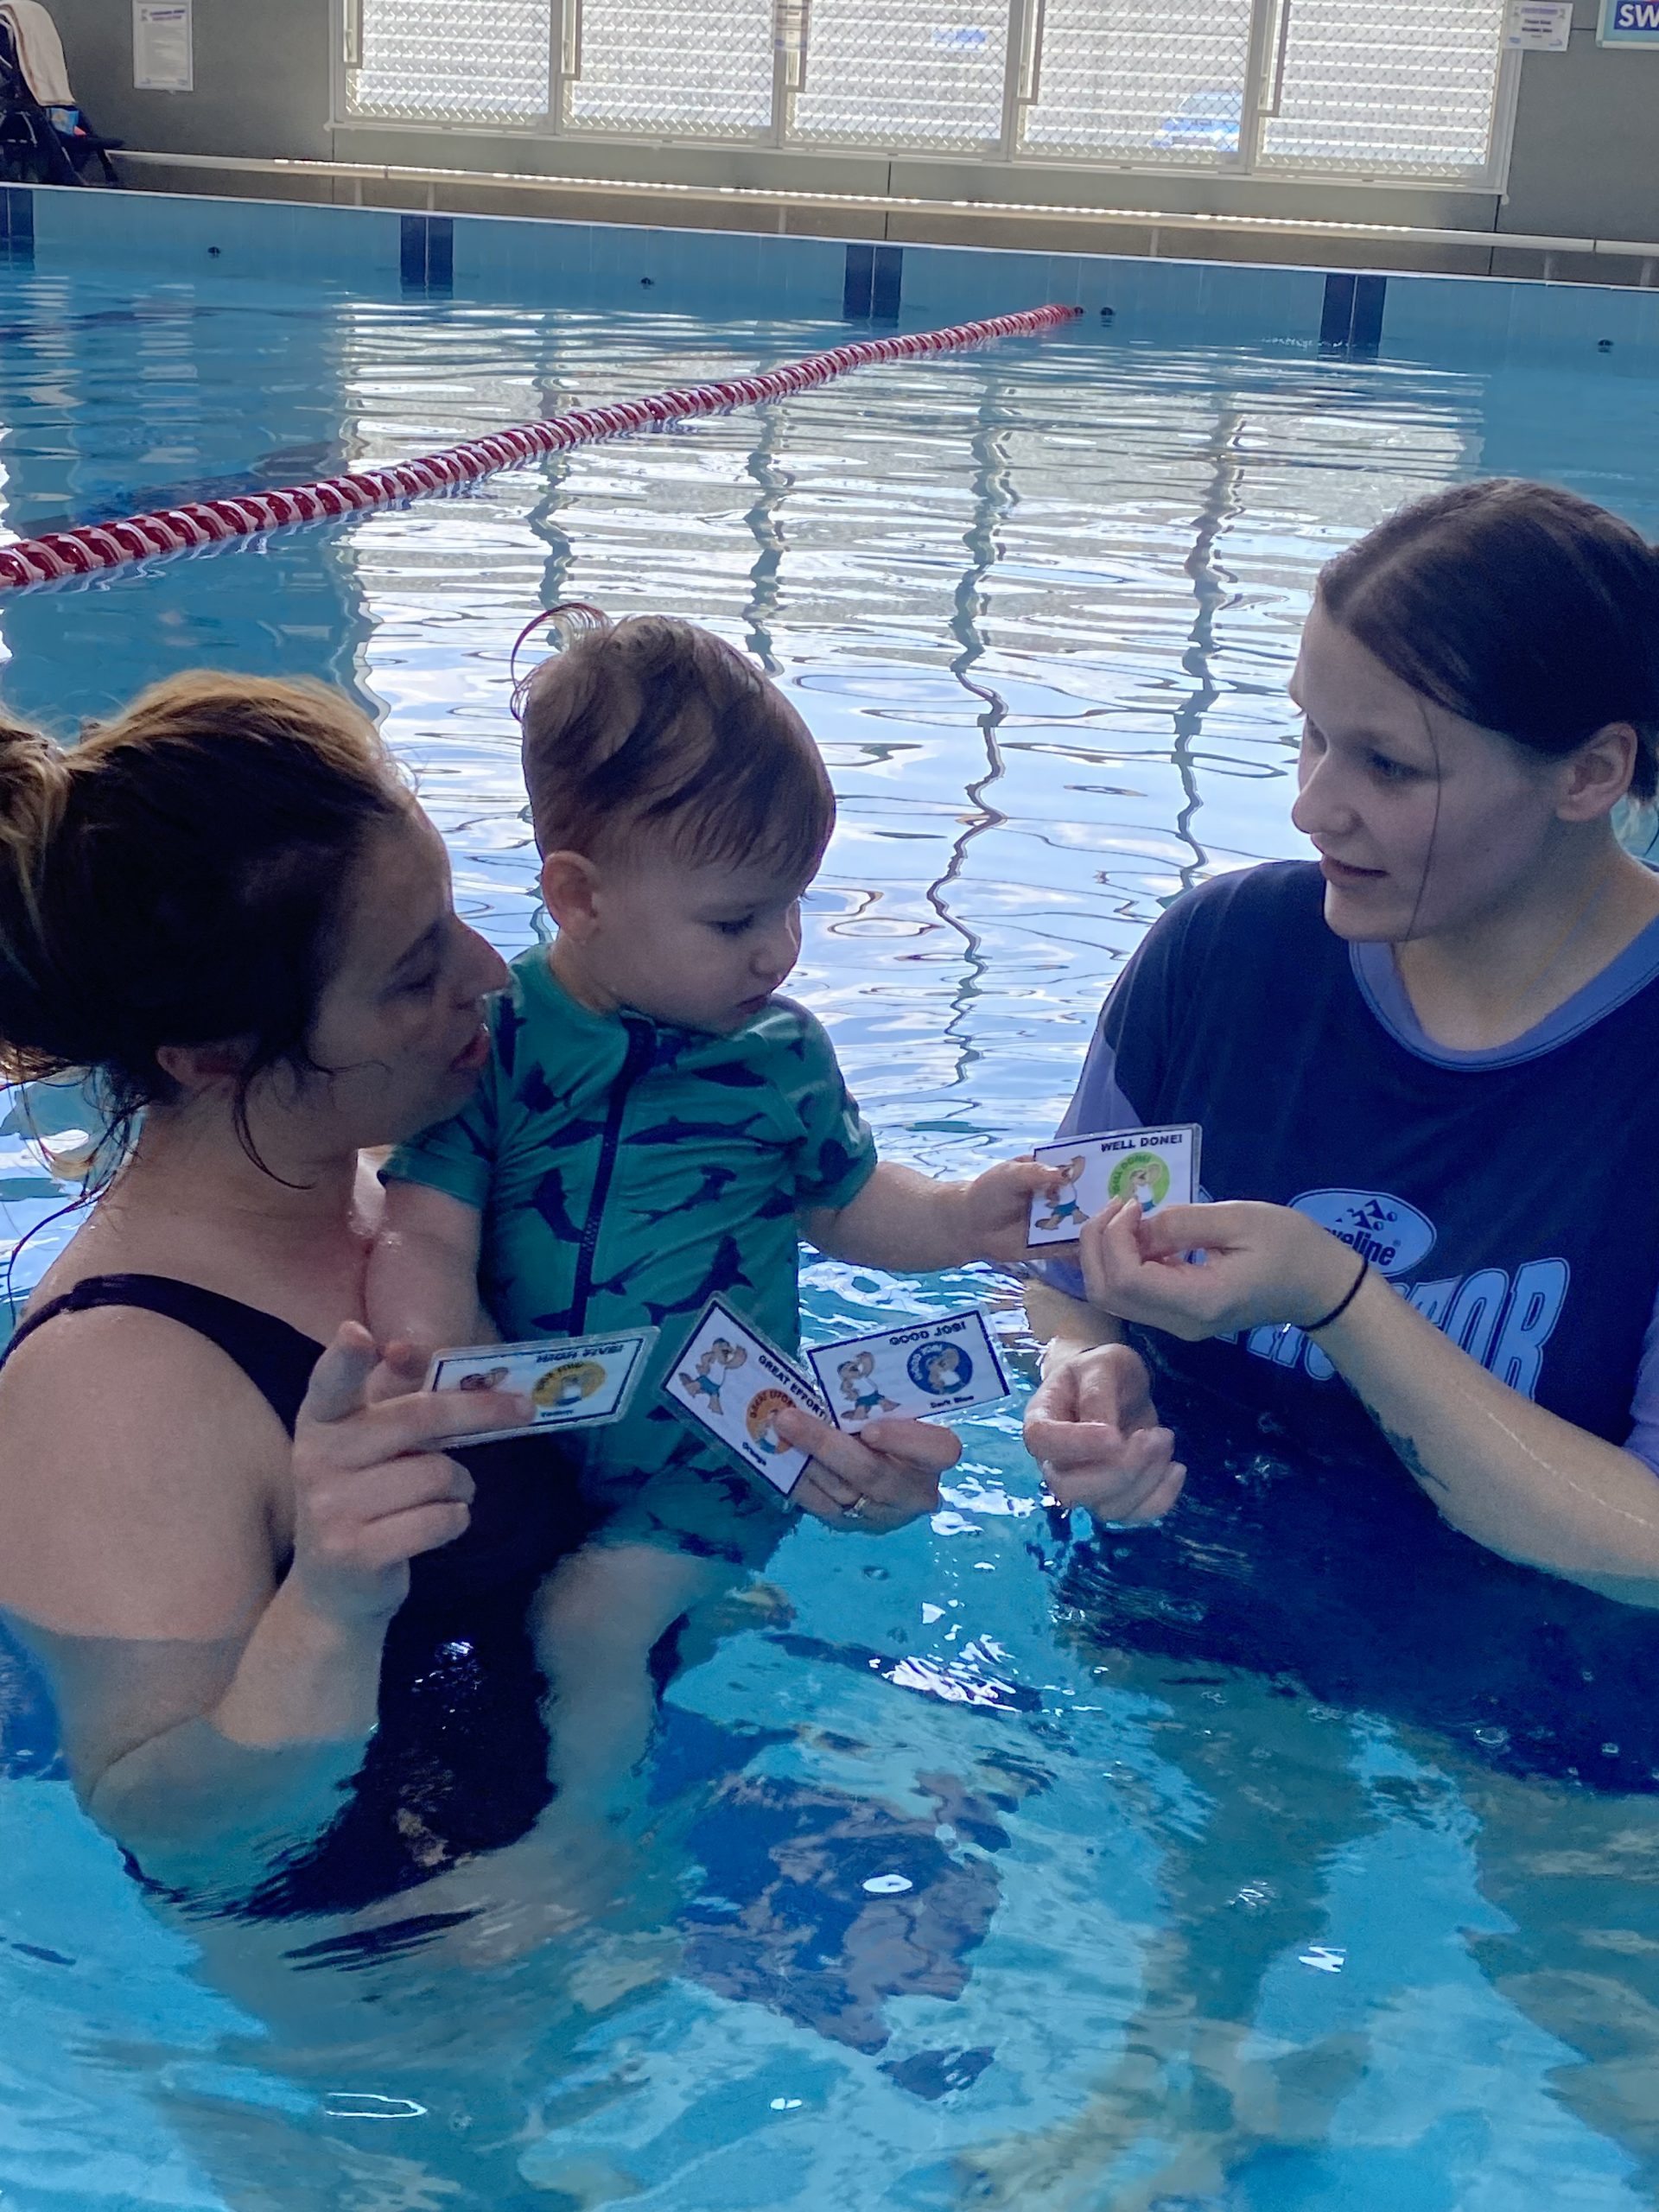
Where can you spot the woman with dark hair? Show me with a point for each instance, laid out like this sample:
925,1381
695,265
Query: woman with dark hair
272,1606
1424,1068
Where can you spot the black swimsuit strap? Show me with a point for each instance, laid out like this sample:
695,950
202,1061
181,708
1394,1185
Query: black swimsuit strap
277,1357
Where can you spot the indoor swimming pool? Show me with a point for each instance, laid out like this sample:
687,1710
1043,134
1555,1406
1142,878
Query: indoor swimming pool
1256,1878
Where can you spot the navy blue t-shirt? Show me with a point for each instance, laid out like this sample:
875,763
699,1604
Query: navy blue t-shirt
1512,1195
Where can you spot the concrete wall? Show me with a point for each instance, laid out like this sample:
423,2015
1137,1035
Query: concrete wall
1585,160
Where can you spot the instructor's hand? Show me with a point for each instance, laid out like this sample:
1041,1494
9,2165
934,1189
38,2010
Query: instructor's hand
1094,1431
373,1485
1262,1265
874,1482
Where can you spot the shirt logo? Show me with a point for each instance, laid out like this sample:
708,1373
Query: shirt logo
1394,1236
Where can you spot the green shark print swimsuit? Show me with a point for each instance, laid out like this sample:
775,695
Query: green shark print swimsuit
628,1172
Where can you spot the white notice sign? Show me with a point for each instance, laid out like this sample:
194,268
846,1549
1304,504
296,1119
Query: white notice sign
163,46
1539,26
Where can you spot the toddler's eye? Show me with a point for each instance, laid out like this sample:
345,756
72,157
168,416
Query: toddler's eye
736,928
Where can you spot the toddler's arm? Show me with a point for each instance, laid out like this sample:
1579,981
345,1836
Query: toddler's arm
901,1219
422,1280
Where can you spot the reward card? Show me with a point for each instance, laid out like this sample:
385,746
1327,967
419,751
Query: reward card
929,1366
1157,1167
574,1383
735,1384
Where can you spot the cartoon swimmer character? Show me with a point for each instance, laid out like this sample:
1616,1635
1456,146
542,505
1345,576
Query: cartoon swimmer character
721,1354
490,1379
947,1370
864,1399
1139,1190
1065,1208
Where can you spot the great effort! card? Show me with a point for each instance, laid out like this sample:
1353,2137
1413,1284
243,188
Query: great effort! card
577,1383
735,1384
1157,1167
928,1367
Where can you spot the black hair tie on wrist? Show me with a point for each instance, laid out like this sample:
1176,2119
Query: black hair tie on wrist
1338,1310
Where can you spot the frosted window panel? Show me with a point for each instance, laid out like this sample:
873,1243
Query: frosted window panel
703,70
904,73
1408,92
453,59
1141,80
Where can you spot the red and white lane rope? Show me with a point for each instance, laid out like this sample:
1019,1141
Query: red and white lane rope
102,546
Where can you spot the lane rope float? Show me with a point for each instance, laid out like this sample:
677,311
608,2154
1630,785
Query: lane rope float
97,547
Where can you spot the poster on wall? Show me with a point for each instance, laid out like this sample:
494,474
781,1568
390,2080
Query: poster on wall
163,46
1539,26
1628,22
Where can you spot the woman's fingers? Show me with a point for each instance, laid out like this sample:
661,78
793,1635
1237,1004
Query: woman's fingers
362,1496
888,1475
914,1444
413,1422
339,1381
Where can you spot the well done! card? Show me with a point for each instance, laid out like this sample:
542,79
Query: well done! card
927,1367
1157,1167
577,1383
735,1384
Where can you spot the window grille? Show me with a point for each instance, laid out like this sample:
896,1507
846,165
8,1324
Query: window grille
1143,80
452,60
903,73
703,69
1409,93
1310,87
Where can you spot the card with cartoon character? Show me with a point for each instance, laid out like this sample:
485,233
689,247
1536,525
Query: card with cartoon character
734,1383
927,1367
574,1383
1157,1167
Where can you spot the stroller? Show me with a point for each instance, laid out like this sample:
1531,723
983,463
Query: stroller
41,143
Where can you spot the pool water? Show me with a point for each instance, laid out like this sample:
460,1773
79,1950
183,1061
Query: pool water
960,1890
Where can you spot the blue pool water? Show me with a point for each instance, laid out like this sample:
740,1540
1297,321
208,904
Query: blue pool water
1315,1874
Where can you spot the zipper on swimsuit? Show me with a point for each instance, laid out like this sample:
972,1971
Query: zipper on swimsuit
642,1046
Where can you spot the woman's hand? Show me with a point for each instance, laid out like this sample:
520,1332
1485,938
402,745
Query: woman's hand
874,1482
1262,1264
1094,1431
373,1486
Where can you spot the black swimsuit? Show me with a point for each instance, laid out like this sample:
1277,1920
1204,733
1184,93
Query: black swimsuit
459,1763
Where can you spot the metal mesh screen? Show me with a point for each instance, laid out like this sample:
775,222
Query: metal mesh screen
453,58
1155,80
904,73
1409,93
703,69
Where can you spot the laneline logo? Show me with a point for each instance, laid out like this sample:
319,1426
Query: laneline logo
1394,1236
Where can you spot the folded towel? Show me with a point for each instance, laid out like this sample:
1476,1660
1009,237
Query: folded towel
40,52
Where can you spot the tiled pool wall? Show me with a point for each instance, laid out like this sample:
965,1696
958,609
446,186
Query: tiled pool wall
433,256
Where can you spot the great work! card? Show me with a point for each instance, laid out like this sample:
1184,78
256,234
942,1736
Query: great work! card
1157,1167
577,1383
927,1367
735,1384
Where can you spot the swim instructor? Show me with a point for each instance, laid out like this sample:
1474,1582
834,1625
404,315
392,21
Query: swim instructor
270,1602
1425,1068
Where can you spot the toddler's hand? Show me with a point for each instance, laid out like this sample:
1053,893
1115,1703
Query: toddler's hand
996,1207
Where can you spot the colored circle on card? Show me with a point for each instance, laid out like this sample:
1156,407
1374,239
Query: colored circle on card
764,1409
568,1385
1142,1175
942,1371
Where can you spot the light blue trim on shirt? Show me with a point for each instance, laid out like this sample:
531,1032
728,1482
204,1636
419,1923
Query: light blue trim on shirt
1384,990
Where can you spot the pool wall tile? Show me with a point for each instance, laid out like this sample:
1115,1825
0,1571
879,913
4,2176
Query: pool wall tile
742,272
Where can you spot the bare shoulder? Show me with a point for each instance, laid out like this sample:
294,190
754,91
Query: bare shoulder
138,1470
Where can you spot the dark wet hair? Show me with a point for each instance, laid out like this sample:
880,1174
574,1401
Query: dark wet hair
1517,606
177,878
650,727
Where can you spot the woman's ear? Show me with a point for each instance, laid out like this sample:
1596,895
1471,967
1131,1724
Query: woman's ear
193,1069
1599,774
570,891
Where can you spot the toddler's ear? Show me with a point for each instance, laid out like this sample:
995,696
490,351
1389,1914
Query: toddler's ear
569,881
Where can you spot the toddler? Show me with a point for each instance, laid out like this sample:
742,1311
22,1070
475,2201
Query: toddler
655,1125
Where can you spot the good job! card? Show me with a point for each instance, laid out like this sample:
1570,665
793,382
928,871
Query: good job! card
576,1383
929,1366
735,1384
1157,1167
